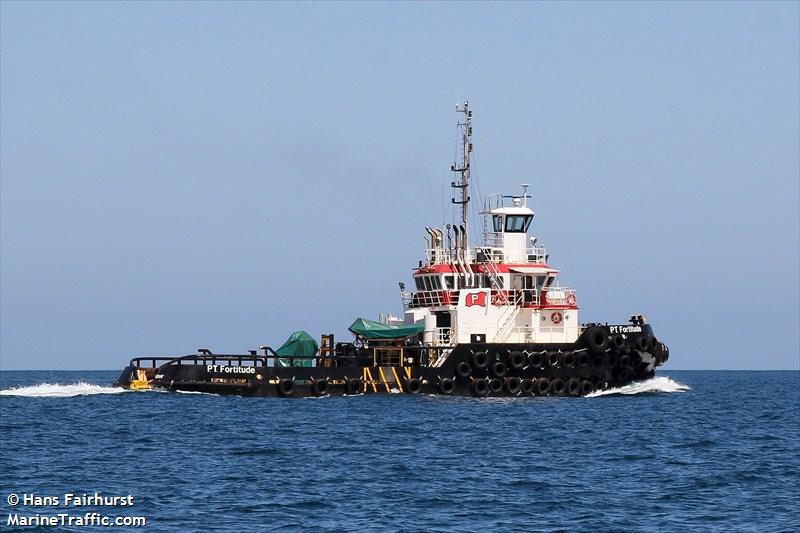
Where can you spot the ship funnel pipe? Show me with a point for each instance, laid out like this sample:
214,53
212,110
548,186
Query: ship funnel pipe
465,262
439,239
449,239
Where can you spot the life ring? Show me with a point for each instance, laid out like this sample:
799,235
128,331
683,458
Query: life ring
556,318
571,299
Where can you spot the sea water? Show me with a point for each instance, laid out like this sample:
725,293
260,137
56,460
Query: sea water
685,451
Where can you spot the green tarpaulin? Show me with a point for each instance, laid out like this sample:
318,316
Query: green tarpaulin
299,343
375,330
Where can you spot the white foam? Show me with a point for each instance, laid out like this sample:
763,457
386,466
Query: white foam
657,384
55,390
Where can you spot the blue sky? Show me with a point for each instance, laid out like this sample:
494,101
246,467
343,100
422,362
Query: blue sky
178,175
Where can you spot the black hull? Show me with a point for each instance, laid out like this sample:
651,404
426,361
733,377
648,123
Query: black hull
598,360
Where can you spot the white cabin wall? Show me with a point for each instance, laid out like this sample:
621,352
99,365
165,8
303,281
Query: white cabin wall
514,247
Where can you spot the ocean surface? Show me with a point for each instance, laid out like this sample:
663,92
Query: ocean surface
686,451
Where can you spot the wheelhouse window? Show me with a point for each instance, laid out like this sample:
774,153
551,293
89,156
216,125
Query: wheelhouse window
497,220
448,282
518,223
418,283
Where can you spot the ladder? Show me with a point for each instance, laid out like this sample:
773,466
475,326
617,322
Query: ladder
508,318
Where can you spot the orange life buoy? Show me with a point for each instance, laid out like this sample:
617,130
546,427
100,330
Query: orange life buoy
571,299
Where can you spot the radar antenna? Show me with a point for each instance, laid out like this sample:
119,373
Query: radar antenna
464,168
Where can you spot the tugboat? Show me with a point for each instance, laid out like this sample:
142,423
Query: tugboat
483,321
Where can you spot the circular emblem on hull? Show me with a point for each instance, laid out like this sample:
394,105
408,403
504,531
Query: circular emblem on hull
556,318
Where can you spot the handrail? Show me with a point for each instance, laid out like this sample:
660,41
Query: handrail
491,251
420,352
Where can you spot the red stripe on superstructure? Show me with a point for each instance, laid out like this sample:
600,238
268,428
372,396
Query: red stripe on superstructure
478,268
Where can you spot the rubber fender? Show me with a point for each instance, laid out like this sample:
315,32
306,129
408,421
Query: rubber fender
352,386
659,351
516,360
653,345
513,385
568,359
499,369
480,359
413,385
463,369
536,359
616,342
598,362
648,361
573,387
557,387
320,387
496,385
583,359
480,387
643,343
286,387
600,383
587,387
542,387
596,339
553,359
447,385
526,387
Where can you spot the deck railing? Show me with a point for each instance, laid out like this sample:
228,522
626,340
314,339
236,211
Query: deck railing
491,251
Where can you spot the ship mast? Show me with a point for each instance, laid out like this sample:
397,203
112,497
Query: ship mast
463,170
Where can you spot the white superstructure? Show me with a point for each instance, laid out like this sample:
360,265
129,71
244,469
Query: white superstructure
503,291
